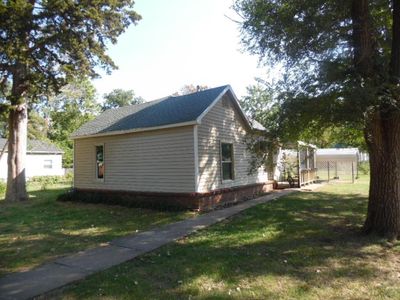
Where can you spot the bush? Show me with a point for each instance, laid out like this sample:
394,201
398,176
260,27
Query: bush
69,177
2,187
46,181
119,198
364,167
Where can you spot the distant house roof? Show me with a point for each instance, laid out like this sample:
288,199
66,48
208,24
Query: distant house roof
172,111
36,146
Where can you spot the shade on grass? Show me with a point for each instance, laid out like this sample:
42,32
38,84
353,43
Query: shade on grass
41,229
303,246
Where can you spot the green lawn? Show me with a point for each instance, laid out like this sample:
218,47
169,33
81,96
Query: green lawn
303,246
42,228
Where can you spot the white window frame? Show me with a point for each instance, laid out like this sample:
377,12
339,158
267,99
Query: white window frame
232,161
95,163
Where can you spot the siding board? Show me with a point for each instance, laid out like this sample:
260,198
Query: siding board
152,161
223,123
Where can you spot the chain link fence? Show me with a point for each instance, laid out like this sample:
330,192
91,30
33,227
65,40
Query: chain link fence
343,171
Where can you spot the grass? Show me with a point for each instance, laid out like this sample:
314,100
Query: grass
303,246
42,229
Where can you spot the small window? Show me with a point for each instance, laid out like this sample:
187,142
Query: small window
227,161
100,162
48,164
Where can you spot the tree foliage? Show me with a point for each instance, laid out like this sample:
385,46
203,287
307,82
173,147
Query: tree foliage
342,61
38,126
314,41
118,98
44,45
189,89
69,110
261,104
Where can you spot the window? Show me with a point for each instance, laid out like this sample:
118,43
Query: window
227,161
48,164
100,162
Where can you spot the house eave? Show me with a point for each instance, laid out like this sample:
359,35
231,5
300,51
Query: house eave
236,103
120,132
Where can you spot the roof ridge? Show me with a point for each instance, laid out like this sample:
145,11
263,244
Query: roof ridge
206,90
170,111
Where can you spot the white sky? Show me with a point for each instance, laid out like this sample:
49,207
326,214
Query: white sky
180,42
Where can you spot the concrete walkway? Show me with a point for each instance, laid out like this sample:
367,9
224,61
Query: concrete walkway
65,270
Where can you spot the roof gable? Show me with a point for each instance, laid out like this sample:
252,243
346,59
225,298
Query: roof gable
167,112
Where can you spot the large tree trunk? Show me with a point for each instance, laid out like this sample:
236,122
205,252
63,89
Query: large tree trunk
383,140
17,142
382,132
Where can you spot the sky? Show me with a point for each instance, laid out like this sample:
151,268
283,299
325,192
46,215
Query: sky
180,42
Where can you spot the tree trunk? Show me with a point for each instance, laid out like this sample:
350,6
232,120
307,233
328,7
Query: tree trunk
17,142
383,140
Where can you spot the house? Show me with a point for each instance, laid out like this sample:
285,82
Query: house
42,159
186,150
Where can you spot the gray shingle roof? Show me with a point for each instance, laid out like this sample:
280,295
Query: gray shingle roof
166,111
35,146
172,110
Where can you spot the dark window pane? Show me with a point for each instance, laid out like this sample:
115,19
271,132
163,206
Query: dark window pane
99,153
227,171
226,151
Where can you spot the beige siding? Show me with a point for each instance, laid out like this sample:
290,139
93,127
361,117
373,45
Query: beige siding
154,161
223,123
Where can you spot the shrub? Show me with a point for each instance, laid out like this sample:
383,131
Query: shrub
117,198
69,177
46,181
2,188
363,167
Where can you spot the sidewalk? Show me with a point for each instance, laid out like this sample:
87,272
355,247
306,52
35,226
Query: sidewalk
65,270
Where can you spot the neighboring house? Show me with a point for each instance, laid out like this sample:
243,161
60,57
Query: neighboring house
42,159
187,150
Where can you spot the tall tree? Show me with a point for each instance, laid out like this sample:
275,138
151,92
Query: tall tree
118,98
343,67
43,45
